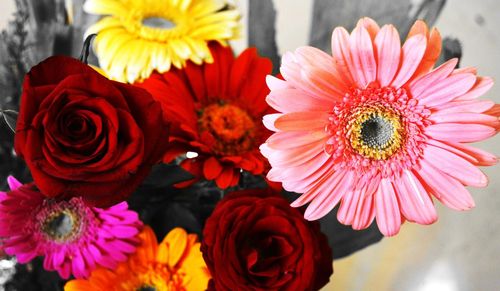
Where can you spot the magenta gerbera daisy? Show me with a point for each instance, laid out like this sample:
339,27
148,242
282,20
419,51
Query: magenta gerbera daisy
74,238
375,128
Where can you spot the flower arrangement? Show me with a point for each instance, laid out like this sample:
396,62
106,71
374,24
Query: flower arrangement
171,134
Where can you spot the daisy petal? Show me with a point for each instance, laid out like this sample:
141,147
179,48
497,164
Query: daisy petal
365,68
412,53
416,205
388,54
455,166
446,189
387,215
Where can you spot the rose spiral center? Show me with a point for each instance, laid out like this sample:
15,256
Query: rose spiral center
230,125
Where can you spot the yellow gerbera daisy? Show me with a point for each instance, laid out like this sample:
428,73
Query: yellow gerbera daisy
139,36
174,264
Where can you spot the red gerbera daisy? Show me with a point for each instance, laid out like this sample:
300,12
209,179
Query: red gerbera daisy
216,111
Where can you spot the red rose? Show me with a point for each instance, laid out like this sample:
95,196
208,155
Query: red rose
255,241
84,135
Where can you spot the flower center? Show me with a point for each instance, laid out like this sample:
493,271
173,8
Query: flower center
375,132
158,22
146,288
153,277
61,225
232,128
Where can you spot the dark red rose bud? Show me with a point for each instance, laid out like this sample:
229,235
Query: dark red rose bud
255,241
84,135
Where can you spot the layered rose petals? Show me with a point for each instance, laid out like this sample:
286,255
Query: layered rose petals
73,237
255,239
215,111
83,135
376,129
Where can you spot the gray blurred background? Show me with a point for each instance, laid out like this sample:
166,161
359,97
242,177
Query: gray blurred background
462,250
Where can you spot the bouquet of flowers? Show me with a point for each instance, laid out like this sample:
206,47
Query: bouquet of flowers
161,160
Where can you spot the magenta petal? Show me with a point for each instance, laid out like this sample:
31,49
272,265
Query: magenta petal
13,183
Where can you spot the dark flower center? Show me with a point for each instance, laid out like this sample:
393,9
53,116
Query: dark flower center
376,132
158,22
231,126
146,288
61,225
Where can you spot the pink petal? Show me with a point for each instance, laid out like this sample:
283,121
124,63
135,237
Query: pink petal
480,157
309,178
445,188
293,72
24,258
482,85
388,47
469,70
341,52
457,132
316,63
292,139
370,25
348,205
477,106
268,121
353,201
65,270
300,172
445,90
455,166
414,201
293,156
13,183
387,209
106,260
329,195
323,84
323,180
58,258
276,84
290,100
365,213
302,121
465,117
412,53
123,246
364,68
122,231
421,84
78,265
452,149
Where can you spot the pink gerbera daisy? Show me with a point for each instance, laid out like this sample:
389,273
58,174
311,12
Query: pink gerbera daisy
74,237
375,128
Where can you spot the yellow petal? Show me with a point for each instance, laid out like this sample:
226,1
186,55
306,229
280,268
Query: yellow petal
106,22
176,241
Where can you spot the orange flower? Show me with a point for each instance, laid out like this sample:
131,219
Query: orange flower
174,264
